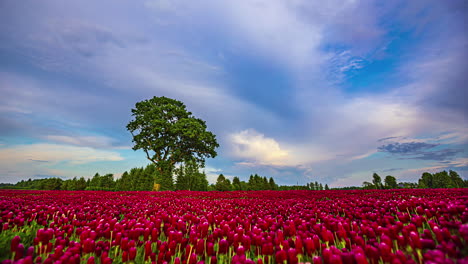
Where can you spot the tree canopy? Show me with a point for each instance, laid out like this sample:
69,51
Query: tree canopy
168,134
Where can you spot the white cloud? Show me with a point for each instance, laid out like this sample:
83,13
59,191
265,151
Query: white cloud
253,147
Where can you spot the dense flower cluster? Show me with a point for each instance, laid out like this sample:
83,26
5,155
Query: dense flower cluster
331,227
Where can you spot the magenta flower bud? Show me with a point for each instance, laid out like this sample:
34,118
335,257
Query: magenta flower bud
280,236
240,251
316,242
124,244
415,240
281,256
90,260
124,256
192,259
14,243
347,258
200,248
427,244
223,246
259,261
336,259
317,260
132,253
267,249
299,246
19,252
177,261
360,258
148,249
210,249
386,239
292,256
327,253
104,256
309,246
30,251
28,260
384,249
154,235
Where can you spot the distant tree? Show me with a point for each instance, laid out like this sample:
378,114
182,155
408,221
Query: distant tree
81,184
312,186
441,180
123,183
320,187
265,184
377,181
272,184
95,183
236,184
169,134
190,178
457,181
326,187
367,185
390,182
426,181
222,184
107,182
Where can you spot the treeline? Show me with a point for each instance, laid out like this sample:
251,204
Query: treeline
441,179
189,177
259,183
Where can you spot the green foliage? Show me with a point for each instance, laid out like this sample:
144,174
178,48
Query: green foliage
457,181
27,233
236,184
377,181
390,182
222,184
441,179
169,134
258,183
426,180
189,177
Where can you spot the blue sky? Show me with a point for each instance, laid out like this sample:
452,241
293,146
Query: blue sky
296,90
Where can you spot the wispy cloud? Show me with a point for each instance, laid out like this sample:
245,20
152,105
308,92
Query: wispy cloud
406,148
83,141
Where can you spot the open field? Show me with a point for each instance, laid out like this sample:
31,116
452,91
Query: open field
373,226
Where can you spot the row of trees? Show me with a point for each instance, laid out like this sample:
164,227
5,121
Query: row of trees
255,183
441,179
189,177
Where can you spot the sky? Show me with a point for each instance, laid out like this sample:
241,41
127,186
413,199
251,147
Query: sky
297,90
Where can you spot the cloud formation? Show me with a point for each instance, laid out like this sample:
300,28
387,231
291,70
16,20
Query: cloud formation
256,149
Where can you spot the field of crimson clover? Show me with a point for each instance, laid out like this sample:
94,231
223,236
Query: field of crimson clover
367,226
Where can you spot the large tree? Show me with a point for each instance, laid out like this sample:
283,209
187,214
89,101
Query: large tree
169,134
